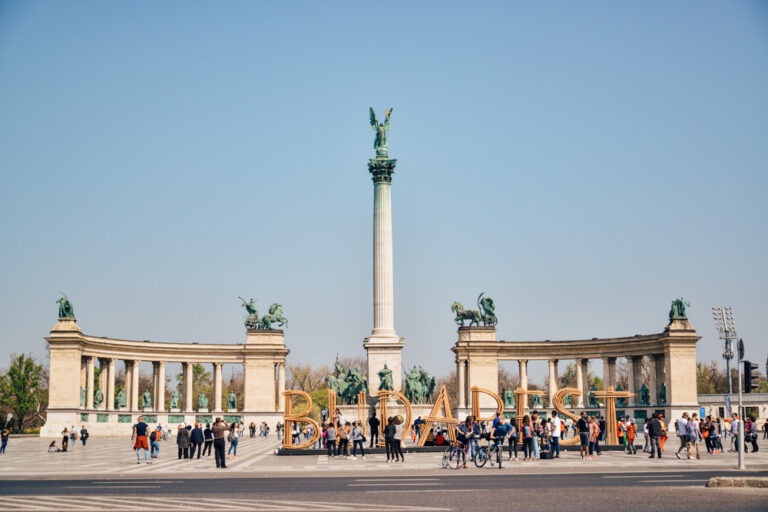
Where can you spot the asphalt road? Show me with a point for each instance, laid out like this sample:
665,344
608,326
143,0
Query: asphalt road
625,491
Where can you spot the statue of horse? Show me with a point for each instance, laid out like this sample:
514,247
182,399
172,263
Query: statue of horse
275,315
462,314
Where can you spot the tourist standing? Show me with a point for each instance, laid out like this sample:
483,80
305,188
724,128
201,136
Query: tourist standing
357,439
197,441
681,425
513,437
765,429
233,438
5,434
536,426
64,439
72,437
154,443
389,439
140,440
182,442
218,430
527,433
583,427
594,436
208,437
752,433
694,436
631,434
398,439
83,435
374,423
330,439
342,439
555,439
736,428
654,435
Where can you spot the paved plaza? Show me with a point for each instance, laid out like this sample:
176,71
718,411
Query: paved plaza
27,457
105,475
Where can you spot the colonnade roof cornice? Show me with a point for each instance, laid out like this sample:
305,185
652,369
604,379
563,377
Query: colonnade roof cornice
95,346
595,348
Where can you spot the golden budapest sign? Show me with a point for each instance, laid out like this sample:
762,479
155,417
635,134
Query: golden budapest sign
441,411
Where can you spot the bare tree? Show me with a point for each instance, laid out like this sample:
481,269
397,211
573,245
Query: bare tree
305,378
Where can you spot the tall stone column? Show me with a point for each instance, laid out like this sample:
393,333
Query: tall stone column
637,373
653,388
552,380
135,402
609,372
280,386
109,397
89,382
187,368
160,387
461,377
585,373
383,346
580,383
661,377
631,380
523,372
129,385
103,374
217,387
83,371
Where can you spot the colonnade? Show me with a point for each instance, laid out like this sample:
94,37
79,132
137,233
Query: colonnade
671,358
106,383
634,378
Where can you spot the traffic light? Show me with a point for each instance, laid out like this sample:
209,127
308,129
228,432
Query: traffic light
750,376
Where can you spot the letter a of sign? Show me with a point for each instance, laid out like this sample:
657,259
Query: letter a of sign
441,402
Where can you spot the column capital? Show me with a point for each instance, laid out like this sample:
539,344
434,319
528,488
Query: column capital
382,169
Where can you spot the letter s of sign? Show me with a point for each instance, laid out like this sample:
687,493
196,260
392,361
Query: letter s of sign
289,418
559,403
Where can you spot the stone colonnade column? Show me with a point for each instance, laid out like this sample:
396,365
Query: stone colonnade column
580,383
128,384
89,382
103,374
659,377
280,387
637,373
83,376
109,397
585,376
160,386
217,387
653,390
631,380
552,380
609,372
187,368
523,372
460,371
135,385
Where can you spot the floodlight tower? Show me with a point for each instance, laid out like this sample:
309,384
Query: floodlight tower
727,329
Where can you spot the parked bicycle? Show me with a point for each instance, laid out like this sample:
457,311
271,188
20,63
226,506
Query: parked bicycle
454,456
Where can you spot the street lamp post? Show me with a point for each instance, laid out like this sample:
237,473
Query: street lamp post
727,329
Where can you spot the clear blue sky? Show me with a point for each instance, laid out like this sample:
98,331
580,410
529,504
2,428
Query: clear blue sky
581,164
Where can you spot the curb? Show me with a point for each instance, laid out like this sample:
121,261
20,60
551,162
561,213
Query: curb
721,481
